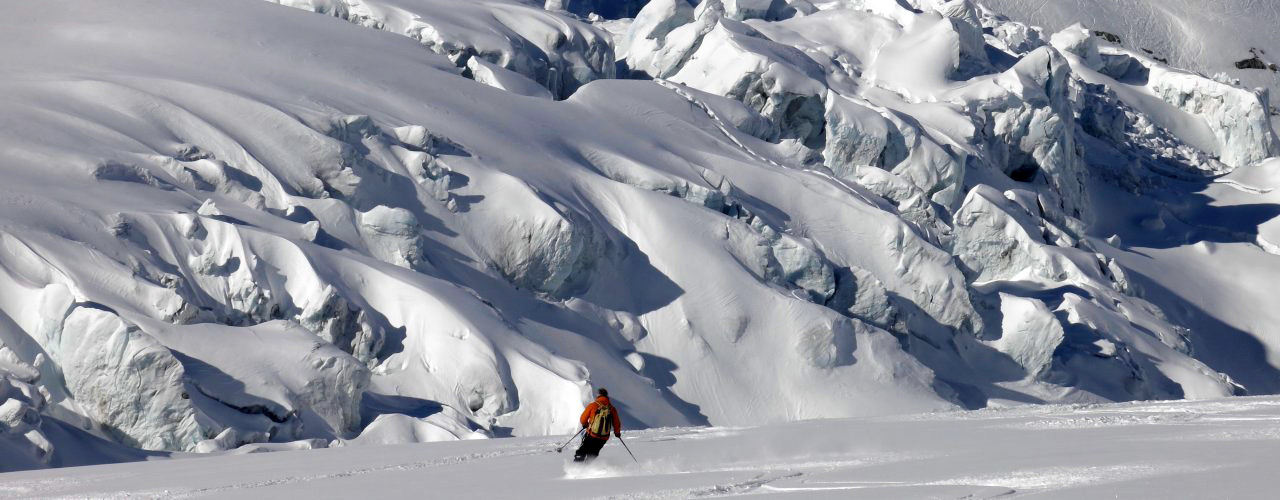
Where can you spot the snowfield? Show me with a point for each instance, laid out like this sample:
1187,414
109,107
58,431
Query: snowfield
1176,449
303,224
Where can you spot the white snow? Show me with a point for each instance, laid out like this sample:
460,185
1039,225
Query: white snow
337,223
1178,449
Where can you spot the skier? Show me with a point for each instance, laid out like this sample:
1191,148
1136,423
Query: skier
599,419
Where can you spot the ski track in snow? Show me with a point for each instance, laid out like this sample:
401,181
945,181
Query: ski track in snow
730,489
1245,188
1056,478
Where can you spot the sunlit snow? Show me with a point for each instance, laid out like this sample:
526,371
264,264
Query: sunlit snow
255,225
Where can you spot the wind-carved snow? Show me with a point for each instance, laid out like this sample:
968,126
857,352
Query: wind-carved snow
789,210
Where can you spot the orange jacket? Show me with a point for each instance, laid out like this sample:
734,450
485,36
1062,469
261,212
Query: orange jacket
591,410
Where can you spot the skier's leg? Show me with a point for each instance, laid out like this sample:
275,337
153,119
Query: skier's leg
590,448
583,449
594,450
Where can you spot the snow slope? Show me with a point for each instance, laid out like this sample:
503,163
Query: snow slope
1206,449
393,221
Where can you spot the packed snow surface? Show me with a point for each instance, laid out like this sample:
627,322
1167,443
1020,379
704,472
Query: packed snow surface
1177,449
309,223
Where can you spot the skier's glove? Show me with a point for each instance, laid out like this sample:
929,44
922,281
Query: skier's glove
617,434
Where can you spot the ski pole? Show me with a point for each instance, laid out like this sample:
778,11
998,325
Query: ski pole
628,448
566,443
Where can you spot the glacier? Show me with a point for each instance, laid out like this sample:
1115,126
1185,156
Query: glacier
335,223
